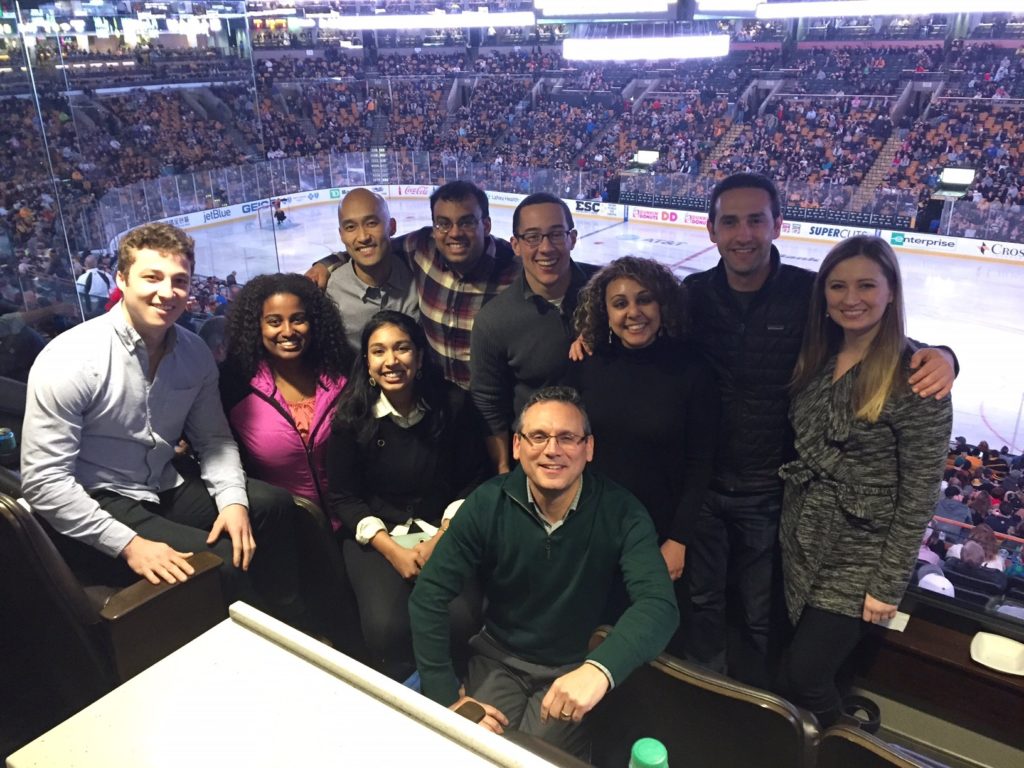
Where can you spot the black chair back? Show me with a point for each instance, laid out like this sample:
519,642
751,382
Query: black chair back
961,580
46,609
65,644
843,746
702,718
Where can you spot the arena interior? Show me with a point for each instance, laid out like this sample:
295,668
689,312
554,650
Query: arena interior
904,123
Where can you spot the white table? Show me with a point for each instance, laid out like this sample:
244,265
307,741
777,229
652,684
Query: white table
254,692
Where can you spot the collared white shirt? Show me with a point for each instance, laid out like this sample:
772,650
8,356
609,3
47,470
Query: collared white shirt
383,409
550,527
94,421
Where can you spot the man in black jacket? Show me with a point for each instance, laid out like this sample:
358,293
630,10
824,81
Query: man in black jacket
748,314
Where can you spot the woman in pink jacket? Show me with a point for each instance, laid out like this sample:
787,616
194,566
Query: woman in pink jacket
285,369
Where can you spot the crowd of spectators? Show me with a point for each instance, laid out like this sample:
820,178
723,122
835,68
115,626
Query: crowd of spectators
476,126
729,75
996,26
421,64
59,67
144,134
533,61
982,71
807,140
415,112
304,105
969,134
680,128
289,68
972,550
553,134
753,30
860,70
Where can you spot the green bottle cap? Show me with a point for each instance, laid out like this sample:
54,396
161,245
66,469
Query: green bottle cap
648,753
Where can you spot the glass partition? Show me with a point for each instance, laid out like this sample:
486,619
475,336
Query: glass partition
44,206
100,133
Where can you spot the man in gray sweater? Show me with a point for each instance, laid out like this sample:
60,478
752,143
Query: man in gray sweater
521,339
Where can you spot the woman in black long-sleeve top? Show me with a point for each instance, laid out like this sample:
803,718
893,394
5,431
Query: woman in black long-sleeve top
405,444
652,400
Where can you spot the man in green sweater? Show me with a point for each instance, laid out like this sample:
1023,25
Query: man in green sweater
549,542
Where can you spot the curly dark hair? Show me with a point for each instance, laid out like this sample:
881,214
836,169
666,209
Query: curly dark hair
355,406
591,317
328,350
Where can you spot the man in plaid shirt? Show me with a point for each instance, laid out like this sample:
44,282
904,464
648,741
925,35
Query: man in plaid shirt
458,267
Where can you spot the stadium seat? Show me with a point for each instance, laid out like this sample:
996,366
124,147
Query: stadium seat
963,581
76,641
972,596
843,746
1015,588
726,723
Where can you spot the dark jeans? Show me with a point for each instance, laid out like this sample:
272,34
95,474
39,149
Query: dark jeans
818,648
182,519
732,570
383,598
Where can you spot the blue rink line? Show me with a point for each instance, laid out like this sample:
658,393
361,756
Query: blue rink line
602,229
692,256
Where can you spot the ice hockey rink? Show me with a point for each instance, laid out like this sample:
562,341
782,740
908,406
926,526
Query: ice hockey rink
971,305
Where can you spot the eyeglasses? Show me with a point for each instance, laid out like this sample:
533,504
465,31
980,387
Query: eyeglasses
466,223
534,239
566,440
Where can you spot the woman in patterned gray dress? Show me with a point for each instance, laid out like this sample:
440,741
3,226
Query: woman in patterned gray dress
870,459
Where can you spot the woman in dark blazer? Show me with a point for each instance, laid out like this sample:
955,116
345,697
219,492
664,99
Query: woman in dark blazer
405,444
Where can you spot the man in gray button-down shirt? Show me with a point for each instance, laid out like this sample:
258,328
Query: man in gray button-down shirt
373,279
107,403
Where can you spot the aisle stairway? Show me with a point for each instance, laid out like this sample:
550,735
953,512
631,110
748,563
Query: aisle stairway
876,174
722,147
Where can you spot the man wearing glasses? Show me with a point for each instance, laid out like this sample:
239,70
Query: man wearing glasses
521,339
549,541
458,267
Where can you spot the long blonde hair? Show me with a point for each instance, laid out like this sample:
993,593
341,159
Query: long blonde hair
879,373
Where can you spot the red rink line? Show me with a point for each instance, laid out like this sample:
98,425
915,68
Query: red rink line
1003,440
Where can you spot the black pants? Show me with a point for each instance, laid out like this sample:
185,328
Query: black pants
734,578
821,642
182,519
383,597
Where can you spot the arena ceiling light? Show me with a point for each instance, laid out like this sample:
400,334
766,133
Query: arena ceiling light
599,7
796,10
427,21
275,12
646,48
722,6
